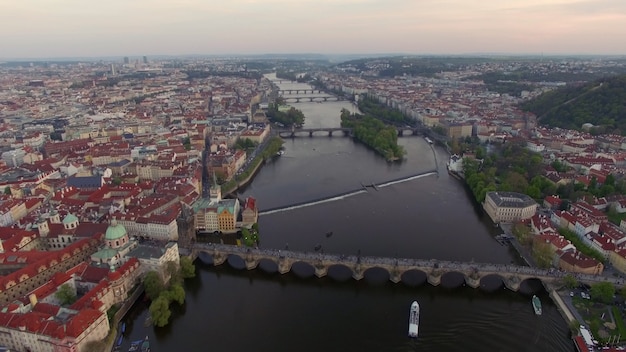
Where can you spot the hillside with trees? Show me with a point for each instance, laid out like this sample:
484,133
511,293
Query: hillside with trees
601,103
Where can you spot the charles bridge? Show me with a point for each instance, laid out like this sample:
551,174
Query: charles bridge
283,260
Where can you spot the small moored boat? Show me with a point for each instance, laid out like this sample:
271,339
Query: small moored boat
145,345
414,319
536,305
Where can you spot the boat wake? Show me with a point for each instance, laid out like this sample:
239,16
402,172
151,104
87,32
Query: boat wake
344,195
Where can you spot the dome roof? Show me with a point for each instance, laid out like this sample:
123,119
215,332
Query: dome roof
69,218
115,231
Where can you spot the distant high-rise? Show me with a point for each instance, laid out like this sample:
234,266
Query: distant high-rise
145,59
126,60
112,69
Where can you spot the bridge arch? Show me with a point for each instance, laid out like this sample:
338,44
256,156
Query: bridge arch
492,282
452,279
376,275
339,272
414,277
268,265
236,262
302,269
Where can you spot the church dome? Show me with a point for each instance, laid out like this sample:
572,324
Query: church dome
115,231
69,219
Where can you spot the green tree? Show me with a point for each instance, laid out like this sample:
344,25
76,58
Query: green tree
176,293
173,269
570,281
187,269
602,292
160,311
66,295
610,180
521,232
543,254
7,190
153,284
187,143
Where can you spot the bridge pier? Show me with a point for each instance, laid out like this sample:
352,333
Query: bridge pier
357,272
219,258
284,266
251,262
395,275
512,283
472,280
434,277
320,269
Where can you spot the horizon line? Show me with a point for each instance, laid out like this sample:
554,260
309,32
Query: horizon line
270,54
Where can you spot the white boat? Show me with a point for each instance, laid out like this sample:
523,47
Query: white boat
414,319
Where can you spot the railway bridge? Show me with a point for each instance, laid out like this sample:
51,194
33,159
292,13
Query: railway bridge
397,268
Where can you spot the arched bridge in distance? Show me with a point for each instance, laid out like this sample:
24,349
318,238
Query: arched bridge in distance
318,99
298,91
329,131
511,275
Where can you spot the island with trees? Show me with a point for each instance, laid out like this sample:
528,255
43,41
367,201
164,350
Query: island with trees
279,112
374,133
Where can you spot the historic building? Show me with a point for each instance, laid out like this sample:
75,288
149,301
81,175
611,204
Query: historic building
509,206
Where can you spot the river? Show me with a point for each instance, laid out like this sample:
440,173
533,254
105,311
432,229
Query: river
431,217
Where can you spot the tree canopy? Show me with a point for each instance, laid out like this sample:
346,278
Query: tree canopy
153,284
602,292
66,295
188,270
160,311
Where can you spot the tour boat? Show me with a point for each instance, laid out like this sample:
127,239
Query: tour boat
536,305
414,319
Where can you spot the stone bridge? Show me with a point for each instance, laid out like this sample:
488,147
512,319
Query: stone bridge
311,98
298,91
295,132
311,131
511,275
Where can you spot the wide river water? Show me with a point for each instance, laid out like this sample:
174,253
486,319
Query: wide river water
432,217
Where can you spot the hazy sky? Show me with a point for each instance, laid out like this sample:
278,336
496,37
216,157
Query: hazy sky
66,28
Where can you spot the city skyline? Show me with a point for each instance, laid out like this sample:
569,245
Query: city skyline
72,28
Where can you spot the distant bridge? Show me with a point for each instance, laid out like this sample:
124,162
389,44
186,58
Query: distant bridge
312,131
298,91
328,131
312,98
397,269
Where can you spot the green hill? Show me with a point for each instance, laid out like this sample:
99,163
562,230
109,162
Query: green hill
601,103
